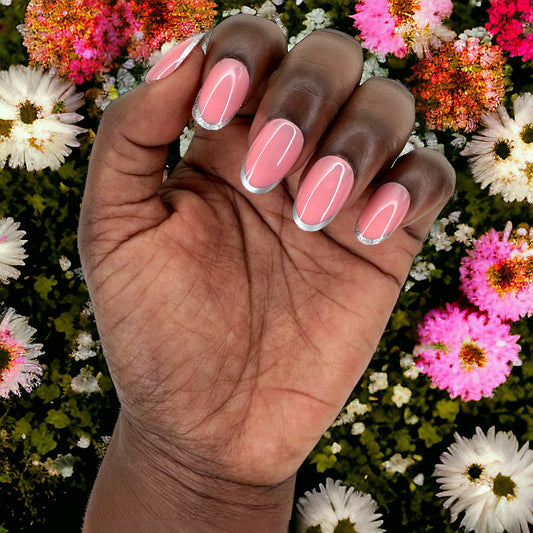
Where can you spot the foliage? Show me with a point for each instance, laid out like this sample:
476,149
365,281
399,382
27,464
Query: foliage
38,427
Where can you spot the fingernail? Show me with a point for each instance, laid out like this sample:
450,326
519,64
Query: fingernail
323,192
383,213
222,94
272,155
172,59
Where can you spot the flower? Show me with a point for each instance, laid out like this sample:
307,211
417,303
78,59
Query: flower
490,479
85,382
98,32
399,26
511,22
11,249
462,80
334,507
18,355
378,381
37,116
497,273
465,353
85,347
160,21
397,464
401,395
501,154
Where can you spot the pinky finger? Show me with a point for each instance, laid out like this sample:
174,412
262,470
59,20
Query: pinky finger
411,195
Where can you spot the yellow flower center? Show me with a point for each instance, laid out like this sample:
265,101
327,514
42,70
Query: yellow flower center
503,487
511,275
472,356
29,112
527,134
528,171
502,149
5,360
403,9
5,127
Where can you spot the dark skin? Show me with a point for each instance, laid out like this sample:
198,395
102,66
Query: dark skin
233,337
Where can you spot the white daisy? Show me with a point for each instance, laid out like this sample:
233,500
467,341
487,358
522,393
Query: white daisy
11,249
18,355
334,507
37,117
489,479
501,155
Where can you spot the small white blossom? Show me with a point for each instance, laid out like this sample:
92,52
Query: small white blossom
64,263
85,382
83,442
185,140
464,234
401,395
335,448
64,465
397,464
419,479
358,428
378,381
85,347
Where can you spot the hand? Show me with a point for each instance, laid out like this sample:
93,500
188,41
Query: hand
232,336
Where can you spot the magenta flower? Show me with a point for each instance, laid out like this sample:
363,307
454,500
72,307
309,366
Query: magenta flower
497,274
511,22
466,353
397,26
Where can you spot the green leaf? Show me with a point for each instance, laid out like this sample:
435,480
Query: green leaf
447,409
22,427
323,461
64,323
428,433
58,419
42,439
44,285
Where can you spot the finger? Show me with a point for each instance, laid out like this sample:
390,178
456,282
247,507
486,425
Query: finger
411,195
303,96
364,140
130,151
243,52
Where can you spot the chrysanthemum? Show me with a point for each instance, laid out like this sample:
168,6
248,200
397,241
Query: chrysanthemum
37,116
501,154
18,355
489,479
336,508
399,26
80,38
462,80
11,249
161,21
497,273
465,353
511,22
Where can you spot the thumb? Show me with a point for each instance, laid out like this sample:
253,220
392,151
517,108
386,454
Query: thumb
130,151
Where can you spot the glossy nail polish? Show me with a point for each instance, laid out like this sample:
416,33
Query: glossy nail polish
222,94
383,213
272,155
172,59
322,193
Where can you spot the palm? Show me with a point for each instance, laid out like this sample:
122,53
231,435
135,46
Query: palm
225,315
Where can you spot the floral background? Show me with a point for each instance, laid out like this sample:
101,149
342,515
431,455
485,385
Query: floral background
436,435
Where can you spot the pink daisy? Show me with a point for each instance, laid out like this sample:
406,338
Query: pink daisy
399,26
511,22
465,353
18,355
497,274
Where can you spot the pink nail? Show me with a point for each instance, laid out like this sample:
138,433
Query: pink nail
272,155
323,193
222,94
173,59
383,213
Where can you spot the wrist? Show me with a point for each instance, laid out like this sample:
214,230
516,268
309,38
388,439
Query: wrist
140,487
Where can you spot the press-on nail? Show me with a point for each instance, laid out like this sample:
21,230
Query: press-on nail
172,59
222,94
272,155
383,213
323,192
